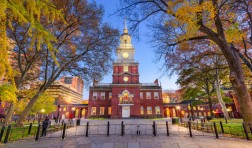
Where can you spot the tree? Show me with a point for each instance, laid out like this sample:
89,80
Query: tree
8,93
83,48
211,20
26,13
45,101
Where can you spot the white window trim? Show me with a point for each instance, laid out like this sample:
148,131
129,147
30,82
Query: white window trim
141,95
142,109
148,96
93,110
102,96
100,113
156,95
125,69
156,110
94,97
148,111
109,112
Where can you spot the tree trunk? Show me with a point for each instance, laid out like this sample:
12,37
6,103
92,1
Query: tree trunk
10,112
237,79
222,103
27,109
209,99
218,92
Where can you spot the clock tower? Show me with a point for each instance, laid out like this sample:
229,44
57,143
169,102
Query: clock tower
125,68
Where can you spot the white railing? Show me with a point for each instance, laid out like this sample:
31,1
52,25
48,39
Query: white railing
103,84
149,84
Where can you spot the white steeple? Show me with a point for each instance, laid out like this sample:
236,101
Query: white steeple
125,39
125,50
125,30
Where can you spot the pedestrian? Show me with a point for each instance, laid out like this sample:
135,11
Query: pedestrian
45,125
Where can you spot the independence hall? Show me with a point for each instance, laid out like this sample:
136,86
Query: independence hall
125,97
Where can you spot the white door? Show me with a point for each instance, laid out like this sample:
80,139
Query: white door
126,112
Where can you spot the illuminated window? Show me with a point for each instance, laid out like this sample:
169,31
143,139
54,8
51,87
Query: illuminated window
93,111
141,95
142,110
109,110
198,107
194,108
110,95
157,109
156,96
101,110
189,107
102,95
125,68
148,95
149,110
64,109
94,96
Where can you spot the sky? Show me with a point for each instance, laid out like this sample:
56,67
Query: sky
144,52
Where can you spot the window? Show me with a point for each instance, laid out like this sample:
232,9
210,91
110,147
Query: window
141,95
110,95
194,108
102,95
157,110
125,68
64,109
94,96
142,110
149,110
156,96
101,110
68,80
109,110
199,108
148,95
93,111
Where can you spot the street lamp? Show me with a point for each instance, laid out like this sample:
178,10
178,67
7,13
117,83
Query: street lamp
42,111
178,114
73,109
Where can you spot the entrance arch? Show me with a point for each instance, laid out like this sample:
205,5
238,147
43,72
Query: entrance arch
125,100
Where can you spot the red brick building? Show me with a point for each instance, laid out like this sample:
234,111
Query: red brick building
125,97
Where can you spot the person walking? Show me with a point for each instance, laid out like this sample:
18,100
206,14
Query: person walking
45,125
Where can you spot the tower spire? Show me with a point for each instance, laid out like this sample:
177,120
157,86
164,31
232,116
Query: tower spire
125,30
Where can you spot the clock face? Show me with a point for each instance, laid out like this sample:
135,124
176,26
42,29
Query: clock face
125,55
125,79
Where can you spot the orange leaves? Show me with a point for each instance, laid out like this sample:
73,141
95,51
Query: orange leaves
187,15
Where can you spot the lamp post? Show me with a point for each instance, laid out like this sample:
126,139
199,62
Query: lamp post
42,111
178,113
73,110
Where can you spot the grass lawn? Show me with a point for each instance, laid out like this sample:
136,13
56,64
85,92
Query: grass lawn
233,127
19,133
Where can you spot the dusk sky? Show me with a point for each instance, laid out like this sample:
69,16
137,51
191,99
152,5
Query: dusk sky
144,52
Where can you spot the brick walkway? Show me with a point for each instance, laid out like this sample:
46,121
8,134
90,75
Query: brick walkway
179,138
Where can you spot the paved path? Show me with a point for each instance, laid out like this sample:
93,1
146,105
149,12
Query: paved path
179,138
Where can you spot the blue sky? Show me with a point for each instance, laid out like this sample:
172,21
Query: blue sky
144,52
